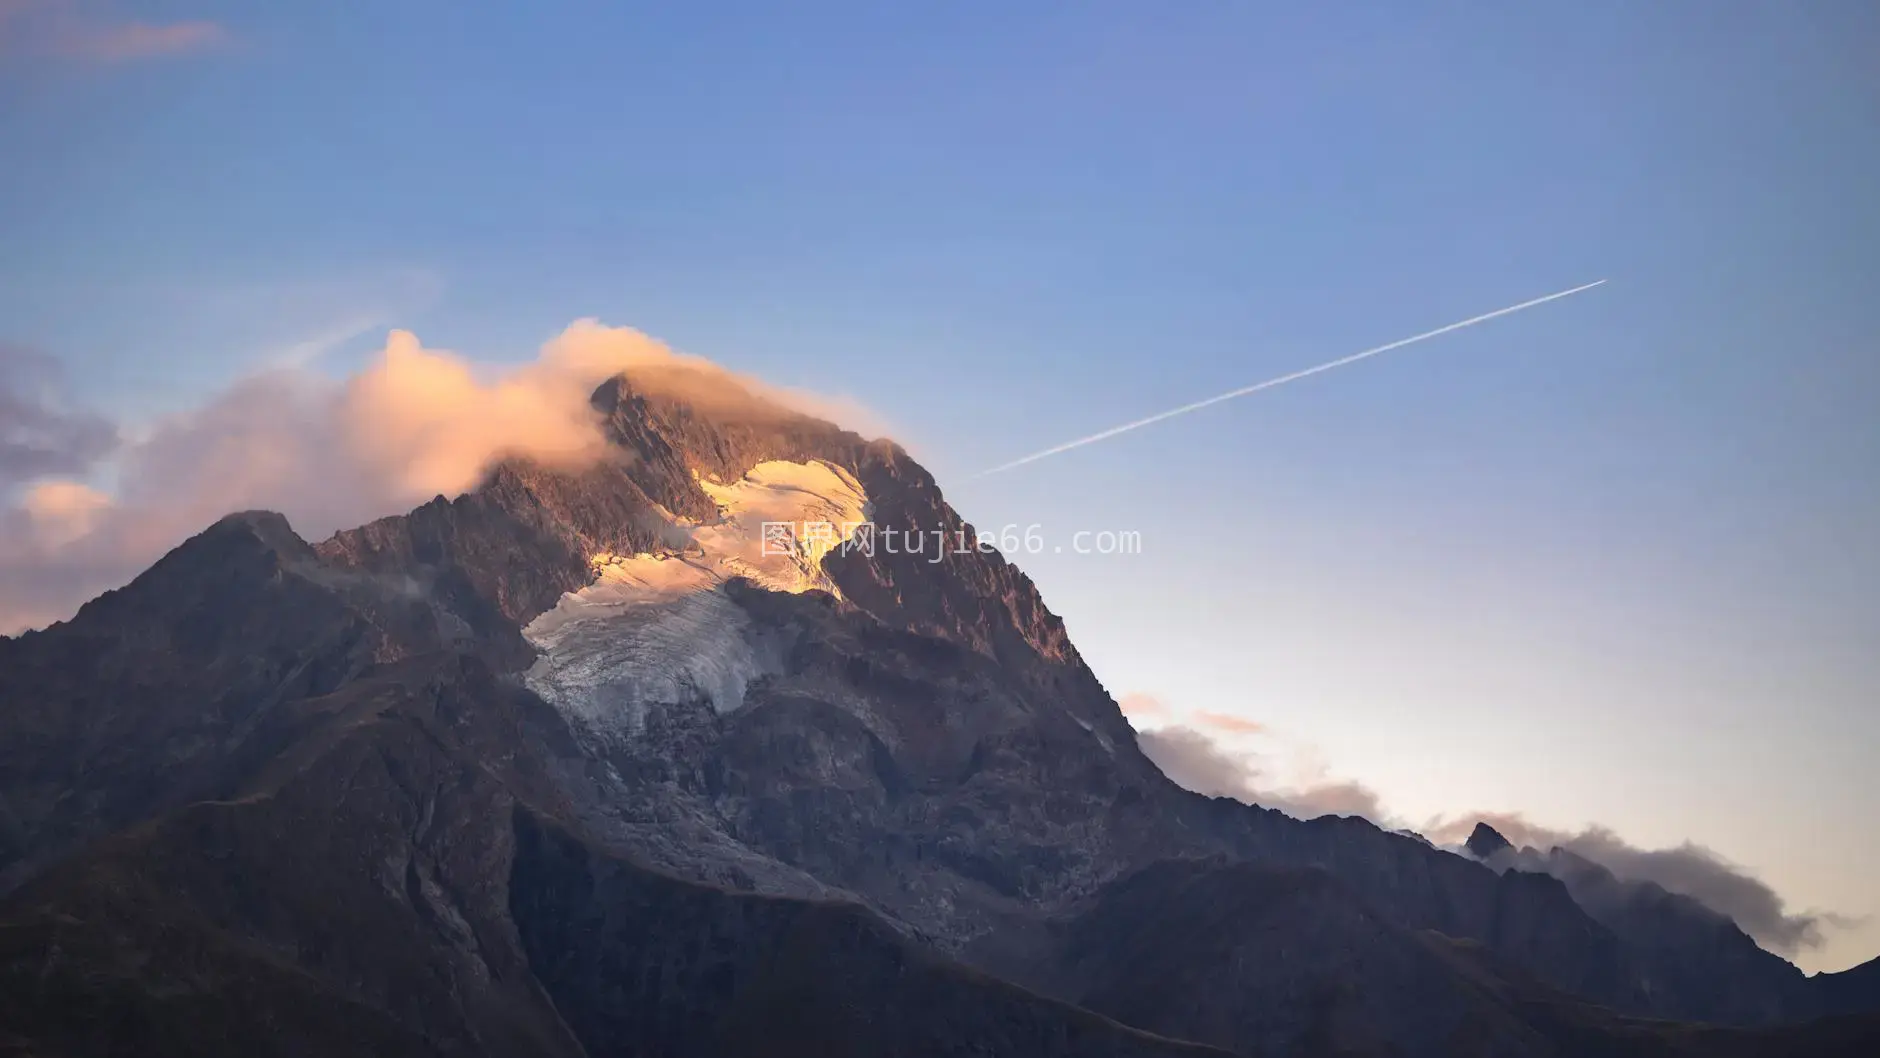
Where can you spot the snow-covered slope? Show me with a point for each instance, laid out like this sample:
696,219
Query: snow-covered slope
658,628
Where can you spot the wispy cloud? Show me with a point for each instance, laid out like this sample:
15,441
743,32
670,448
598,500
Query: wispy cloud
1141,706
1231,723
64,29
1688,869
41,434
129,41
306,352
292,320
1222,761
1201,762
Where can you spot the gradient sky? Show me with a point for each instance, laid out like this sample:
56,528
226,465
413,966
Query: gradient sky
1612,560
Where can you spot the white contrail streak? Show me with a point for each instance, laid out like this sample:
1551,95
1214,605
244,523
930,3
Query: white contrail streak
1280,381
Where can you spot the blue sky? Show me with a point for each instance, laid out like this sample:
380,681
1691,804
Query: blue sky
1611,560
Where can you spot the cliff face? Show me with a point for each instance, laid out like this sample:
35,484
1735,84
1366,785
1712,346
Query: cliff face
274,797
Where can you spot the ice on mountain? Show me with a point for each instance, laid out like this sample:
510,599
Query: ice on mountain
657,629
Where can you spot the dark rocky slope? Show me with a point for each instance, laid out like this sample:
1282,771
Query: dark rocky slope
133,705
641,964
1852,991
1178,946
395,884
1699,963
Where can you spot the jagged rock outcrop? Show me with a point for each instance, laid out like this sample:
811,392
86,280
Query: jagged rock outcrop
1485,841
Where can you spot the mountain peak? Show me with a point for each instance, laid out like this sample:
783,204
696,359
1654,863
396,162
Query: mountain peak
1486,841
270,528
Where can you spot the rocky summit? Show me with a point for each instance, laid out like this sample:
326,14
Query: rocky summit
1485,841
592,762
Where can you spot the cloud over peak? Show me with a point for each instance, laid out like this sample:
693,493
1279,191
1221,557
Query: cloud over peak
1688,869
414,424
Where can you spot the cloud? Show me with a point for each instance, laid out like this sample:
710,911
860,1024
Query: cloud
276,320
1688,869
415,423
1200,762
60,29
324,315
137,40
851,413
1228,722
1141,705
59,512
1196,761
39,434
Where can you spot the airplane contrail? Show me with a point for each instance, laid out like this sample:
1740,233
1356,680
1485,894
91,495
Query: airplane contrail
1280,381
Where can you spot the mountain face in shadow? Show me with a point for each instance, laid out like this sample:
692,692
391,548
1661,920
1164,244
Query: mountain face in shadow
1697,961
510,775
1852,991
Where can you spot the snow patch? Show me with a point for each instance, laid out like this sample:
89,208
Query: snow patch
1102,739
658,629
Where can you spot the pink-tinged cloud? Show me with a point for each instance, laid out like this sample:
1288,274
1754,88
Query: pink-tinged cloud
1141,705
416,423
131,41
1228,722
1194,760
65,30
63,511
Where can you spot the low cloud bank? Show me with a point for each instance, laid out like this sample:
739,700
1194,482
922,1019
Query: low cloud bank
1197,761
1688,869
414,424
1212,754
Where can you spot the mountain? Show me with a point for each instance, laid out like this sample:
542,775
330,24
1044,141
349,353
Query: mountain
392,884
1852,991
577,763
1180,946
1697,962
1485,842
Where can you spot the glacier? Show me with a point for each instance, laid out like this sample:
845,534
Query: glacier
657,629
